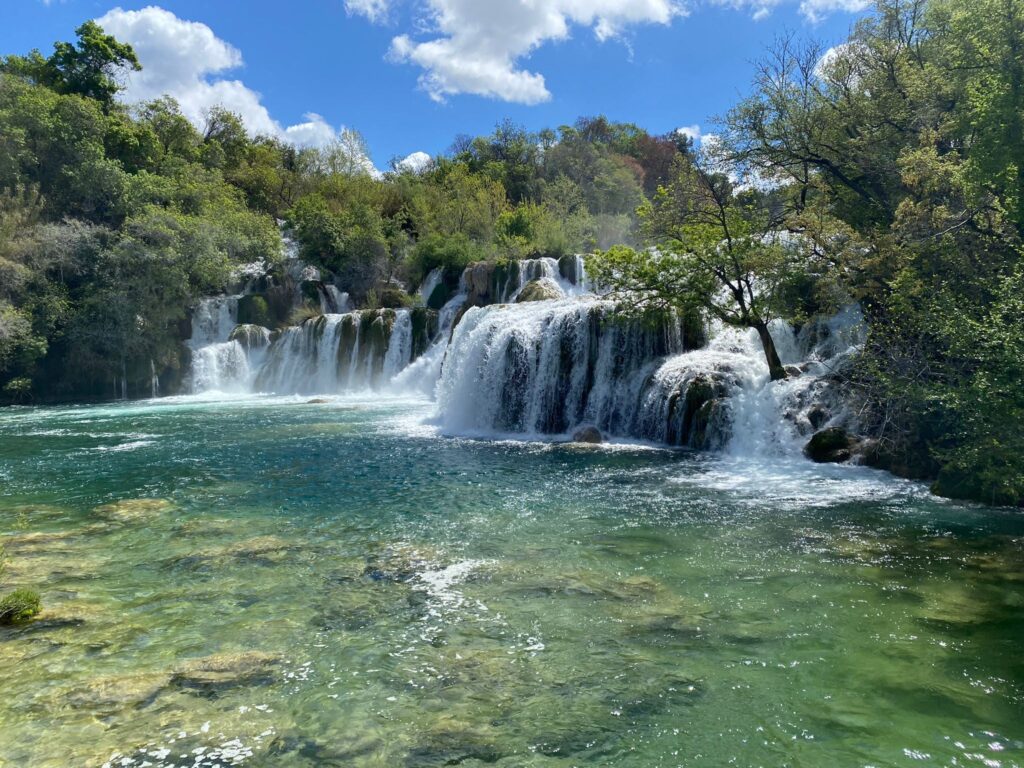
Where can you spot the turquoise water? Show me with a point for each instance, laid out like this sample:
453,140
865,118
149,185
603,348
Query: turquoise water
335,584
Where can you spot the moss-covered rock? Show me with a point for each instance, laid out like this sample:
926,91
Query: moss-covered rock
20,606
131,510
393,297
250,336
439,296
543,289
954,484
478,278
254,309
832,445
701,433
424,328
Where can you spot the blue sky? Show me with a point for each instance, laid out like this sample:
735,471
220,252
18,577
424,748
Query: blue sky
411,74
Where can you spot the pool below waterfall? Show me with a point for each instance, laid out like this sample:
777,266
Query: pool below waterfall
275,581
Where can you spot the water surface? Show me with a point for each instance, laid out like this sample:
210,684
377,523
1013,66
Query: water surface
335,584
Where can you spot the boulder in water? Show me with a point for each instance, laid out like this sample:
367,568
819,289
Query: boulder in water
132,510
832,445
589,434
817,416
227,670
136,690
543,289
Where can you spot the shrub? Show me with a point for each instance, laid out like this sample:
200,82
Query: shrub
19,606
303,313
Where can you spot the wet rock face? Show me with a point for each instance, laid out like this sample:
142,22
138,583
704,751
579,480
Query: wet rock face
588,435
478,283
832,445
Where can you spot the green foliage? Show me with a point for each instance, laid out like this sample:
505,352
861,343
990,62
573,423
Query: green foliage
455,252
19,606
254,310
88,68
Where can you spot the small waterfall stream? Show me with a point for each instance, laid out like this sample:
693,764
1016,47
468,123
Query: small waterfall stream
218,363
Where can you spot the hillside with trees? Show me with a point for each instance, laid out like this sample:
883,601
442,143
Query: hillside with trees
887,171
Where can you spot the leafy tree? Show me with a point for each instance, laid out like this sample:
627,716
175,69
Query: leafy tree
710,253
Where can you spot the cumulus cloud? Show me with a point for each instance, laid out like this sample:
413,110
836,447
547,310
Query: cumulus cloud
417,162
186,60
812,10
816,10
374,10
478,46
692,132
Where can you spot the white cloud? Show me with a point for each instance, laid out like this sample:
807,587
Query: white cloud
186,60
374,10
817,10
479,45
417,162
812,10
692,132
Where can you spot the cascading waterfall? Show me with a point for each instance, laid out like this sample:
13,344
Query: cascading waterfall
545,367
218,363
430,283
548,367
568,275
422,375
334,301
338,353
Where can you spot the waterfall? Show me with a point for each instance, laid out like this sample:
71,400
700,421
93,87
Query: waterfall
213,320
546,367
218,363
430,282
422,375
333,300
568,274
399,351
356,351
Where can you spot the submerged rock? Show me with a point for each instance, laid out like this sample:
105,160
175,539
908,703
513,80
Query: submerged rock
119,691
132,510
221,671
588,434
832,445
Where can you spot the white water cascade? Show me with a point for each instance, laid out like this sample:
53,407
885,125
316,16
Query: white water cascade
329,354
568,275
218,363
546,367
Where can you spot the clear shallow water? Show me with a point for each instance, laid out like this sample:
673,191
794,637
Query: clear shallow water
373,594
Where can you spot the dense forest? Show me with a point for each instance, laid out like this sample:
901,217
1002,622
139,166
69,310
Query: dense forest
888,171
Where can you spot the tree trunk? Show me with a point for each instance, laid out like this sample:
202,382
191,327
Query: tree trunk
775,367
